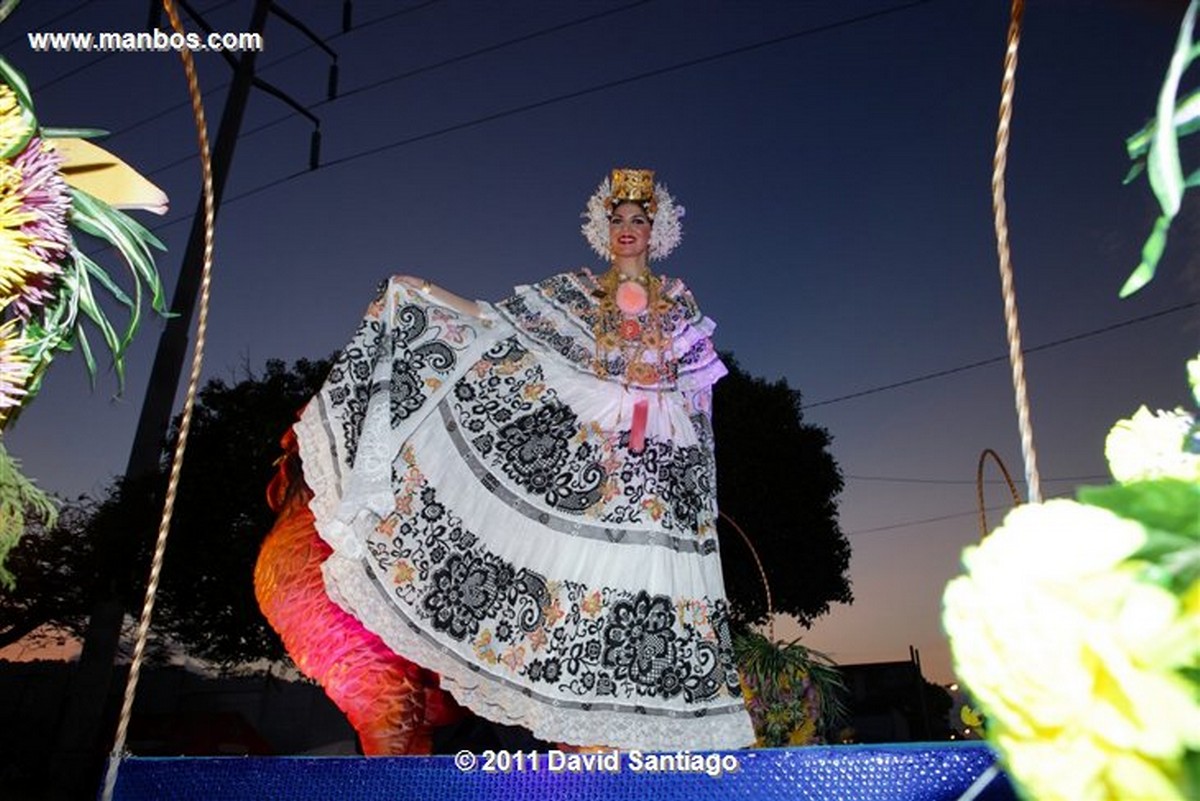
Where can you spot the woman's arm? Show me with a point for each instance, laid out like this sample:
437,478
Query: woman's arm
442,296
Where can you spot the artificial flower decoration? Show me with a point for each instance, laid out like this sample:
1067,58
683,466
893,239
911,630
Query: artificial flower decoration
1076,626
51,181
1079,662
793,693
1152,445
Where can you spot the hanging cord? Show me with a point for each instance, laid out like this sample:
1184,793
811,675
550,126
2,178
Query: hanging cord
1000,210
164,526
983,527
762,574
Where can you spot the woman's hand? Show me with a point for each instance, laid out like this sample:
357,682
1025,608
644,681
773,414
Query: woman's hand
439,295
421,284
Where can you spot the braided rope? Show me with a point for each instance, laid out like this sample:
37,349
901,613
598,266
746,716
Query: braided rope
762,574
164,526
1000,211
1012,488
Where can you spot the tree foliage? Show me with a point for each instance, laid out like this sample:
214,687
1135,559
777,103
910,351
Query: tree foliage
51,566
206,597
777,479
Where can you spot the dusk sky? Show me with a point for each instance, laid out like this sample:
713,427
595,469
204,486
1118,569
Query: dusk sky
838,228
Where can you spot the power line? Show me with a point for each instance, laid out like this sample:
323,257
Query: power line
737,51
50,21
406,74
103,57
906,480
938,519
217,88
984,362
541,103
582,92
491,48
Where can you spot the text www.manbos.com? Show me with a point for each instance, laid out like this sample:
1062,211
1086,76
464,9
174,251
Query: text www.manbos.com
143,41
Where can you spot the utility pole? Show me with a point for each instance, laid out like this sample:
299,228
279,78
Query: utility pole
83,736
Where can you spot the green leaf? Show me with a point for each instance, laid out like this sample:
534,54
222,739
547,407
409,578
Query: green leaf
1185,120
1164,168
1170,505
92,310
89,361
73,133
1152,252
97,272
95,217
16,82
8,7
1193,179
134,306
1137,169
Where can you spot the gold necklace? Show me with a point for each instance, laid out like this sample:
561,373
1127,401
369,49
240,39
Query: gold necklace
617,330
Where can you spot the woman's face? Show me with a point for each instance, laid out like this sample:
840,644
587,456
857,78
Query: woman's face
629,231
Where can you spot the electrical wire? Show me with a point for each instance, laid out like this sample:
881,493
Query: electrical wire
995,359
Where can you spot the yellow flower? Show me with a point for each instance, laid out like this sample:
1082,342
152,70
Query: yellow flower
514,657
1073,656
18,260
403,572
1149,446
537,639
483,647
14,369
591,604
16,125
804,733
553,612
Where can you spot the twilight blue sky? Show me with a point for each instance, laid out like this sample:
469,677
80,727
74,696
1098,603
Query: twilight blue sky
839,223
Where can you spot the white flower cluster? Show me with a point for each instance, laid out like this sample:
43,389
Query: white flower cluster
665,234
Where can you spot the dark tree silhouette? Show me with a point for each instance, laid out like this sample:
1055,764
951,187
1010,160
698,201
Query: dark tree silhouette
50,597
206,598
777,479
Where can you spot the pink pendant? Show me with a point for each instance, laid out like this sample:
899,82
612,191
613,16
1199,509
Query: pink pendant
637,432
632,297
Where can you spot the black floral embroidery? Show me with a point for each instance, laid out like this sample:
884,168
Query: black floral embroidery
639,642
688,484
519,428
536,446
569,331
408,361
349,384
584,642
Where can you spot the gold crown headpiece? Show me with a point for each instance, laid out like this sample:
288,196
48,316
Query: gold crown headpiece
636,186
633,185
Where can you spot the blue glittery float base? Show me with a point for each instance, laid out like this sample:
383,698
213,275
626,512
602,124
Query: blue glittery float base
918,772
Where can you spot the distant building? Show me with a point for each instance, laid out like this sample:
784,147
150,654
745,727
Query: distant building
891,702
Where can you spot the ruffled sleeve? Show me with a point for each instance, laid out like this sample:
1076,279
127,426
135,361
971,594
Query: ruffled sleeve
697,363
555,316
